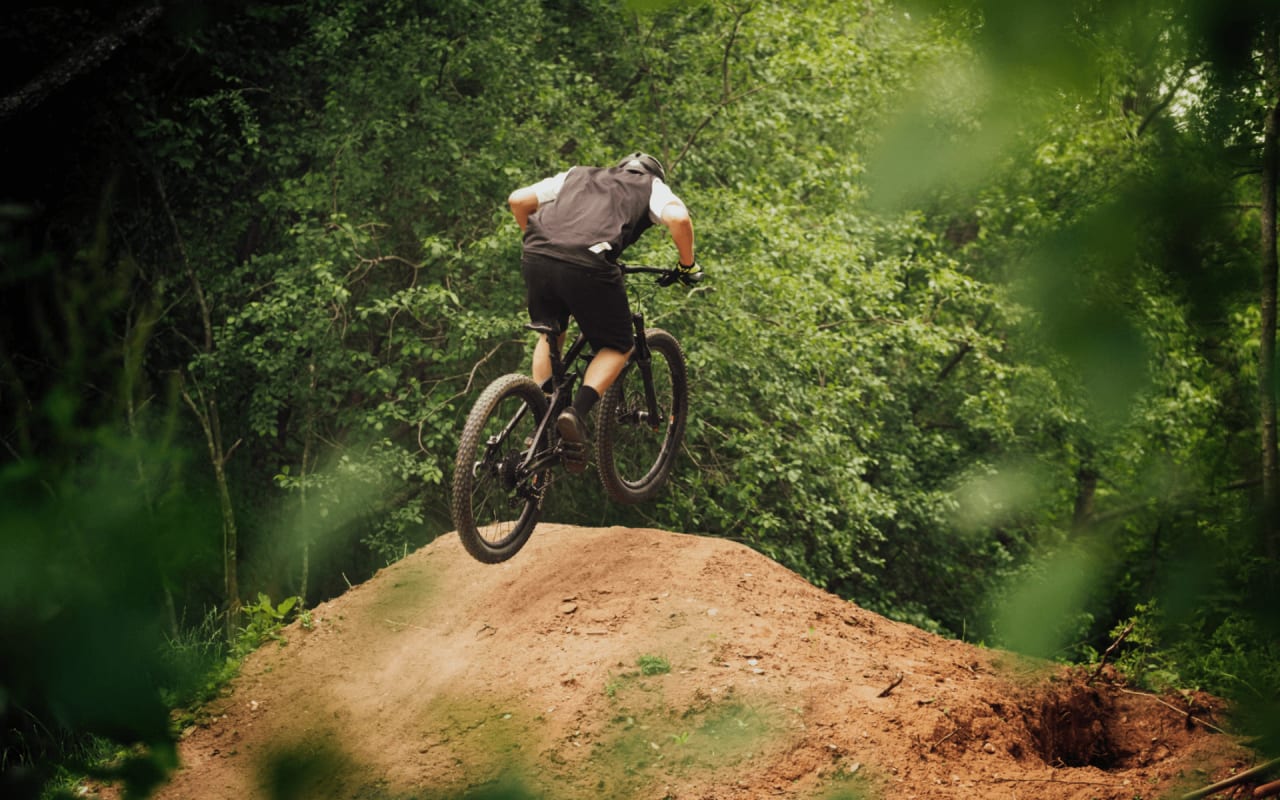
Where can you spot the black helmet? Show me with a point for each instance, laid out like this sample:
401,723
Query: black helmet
643,162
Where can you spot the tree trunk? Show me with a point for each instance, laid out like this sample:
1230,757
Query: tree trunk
309,435
136,334
1267,344
230,540
206,411
1086,490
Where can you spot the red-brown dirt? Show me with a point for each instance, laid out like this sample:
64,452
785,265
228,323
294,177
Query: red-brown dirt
444,677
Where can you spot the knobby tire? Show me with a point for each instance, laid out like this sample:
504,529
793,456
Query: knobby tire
636,453
494,506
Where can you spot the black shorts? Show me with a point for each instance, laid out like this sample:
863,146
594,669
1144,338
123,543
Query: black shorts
595,296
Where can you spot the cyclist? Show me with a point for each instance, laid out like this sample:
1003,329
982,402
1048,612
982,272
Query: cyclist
576,224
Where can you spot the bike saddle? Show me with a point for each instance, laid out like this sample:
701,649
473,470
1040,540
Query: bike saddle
549,328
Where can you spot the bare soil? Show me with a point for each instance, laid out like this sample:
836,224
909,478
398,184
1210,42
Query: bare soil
611,662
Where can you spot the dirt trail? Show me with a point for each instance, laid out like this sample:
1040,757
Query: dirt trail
443,677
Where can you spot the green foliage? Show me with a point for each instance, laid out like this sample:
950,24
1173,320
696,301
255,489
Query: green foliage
196,662
96,531
653,665
82,594
1135,264
1046,609
1163,655
1142,656
263,621
977,348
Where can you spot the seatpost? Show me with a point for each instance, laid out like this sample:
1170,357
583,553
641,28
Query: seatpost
551,335
557,361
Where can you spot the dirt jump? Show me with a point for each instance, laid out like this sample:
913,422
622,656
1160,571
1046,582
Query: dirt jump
624,663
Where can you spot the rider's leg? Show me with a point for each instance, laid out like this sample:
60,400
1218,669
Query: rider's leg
605,368
601,373
599,302
542,360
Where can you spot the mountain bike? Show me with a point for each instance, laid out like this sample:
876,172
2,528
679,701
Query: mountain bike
510,450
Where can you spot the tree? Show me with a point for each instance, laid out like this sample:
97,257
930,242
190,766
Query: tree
1267,382
1187,76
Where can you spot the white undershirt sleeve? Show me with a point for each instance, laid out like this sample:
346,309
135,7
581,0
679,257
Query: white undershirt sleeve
548,189
659,196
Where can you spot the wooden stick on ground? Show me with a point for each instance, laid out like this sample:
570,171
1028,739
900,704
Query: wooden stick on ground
1186,714
891,686
1232,781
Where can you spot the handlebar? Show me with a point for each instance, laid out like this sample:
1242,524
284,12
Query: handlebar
666,276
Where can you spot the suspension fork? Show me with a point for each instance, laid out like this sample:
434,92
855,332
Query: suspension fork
643,358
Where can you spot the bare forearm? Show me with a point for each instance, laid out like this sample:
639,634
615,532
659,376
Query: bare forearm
523,202
676,217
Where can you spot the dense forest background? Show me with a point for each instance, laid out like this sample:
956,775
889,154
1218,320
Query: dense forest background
987,343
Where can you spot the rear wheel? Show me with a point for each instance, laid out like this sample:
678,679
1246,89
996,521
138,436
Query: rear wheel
637,448
495,501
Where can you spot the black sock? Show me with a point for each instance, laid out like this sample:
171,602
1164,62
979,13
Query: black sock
585,400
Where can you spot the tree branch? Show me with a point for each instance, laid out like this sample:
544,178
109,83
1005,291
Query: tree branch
82,60
728,49
727,97
953,362
1165,102
721,106
1128,629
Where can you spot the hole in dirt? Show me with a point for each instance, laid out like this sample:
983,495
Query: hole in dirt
1071,727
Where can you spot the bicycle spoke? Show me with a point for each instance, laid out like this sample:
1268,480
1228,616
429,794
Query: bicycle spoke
638,443
496,500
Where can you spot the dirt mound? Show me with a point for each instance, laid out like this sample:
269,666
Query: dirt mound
644,664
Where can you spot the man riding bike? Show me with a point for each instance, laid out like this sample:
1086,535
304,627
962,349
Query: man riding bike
576,225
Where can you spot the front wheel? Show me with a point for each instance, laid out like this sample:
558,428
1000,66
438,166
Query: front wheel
637,444
496,501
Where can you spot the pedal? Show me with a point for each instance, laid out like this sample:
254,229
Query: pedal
575,455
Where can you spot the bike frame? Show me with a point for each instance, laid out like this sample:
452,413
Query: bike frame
564,381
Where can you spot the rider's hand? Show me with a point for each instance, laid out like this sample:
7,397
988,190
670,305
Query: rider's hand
687,275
